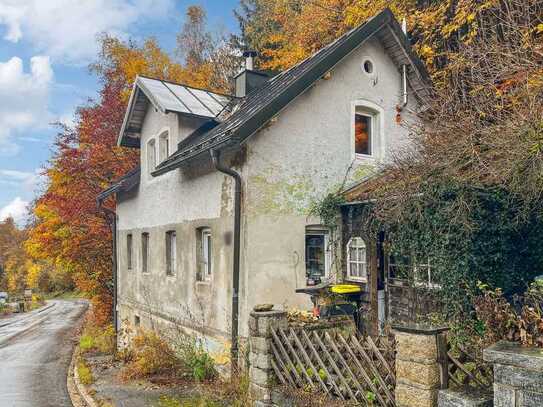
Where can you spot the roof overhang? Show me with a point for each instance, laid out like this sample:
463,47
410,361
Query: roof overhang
123,184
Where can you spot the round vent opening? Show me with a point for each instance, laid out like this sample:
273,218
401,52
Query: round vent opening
367,66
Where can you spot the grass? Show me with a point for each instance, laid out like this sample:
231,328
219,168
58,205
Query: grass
100,339
198,401
84,373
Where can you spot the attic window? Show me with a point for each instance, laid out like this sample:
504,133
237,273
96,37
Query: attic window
363,133
163,146
151,156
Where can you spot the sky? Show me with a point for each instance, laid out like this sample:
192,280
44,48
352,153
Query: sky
45,49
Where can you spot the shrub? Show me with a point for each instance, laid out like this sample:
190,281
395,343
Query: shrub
84,373
518,320
196,360
151,355
97,339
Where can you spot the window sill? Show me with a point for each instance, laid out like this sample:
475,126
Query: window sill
428,286
356,280
203,283
364,157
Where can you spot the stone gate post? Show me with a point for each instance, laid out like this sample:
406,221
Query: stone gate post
518,374
261,374
421,365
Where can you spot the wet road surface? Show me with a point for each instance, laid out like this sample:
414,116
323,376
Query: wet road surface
34,364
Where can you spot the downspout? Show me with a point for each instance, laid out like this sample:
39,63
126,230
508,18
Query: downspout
111,217
215,156
404,70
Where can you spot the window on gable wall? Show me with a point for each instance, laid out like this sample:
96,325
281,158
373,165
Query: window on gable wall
151,156
171,247
363,131
317,255
204,269
163,146
356,260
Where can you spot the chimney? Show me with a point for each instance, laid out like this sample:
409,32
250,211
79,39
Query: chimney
249,79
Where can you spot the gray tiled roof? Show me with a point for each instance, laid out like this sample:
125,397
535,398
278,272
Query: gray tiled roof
242,118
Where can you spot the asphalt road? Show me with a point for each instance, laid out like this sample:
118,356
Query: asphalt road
34,363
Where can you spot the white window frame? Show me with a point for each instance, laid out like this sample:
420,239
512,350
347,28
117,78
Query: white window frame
359,262
164,149
377,138
205,255
321,231
151,154
171,253
427,282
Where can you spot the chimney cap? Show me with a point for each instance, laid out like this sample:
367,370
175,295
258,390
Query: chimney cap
250,53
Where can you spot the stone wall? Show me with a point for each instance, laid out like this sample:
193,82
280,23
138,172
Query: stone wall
518,374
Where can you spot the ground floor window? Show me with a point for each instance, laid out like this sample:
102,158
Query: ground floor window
356,259
204,271
317,255
171,246
145,252
423,275
129,251
410,268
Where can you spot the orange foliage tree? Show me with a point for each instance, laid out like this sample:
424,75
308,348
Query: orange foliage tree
287,31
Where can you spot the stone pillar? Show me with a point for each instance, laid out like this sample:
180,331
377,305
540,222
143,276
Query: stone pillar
421,365
518,374
261,374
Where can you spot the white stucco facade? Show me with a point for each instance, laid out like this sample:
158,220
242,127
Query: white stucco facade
302,154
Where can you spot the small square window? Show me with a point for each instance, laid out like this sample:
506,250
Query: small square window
204,269
363,133
171,247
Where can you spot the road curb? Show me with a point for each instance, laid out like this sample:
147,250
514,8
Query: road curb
6,339
87,399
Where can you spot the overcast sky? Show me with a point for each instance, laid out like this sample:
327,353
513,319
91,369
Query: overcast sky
45,48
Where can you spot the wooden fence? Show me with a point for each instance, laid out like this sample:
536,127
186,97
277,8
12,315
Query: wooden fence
345,366
466,370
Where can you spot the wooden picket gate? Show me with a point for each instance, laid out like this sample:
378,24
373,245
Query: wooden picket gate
348,366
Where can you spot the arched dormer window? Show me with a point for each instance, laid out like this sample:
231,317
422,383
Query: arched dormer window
357,265
163,146
151,156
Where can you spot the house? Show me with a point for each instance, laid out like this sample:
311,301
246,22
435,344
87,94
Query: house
215,220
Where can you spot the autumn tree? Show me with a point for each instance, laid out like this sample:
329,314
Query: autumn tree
70,239
13,259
